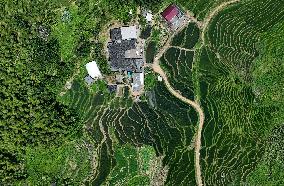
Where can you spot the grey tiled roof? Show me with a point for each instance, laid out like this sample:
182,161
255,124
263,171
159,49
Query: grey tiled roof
117,58
89,80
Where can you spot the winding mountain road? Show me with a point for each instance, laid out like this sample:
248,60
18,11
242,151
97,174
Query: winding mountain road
157,68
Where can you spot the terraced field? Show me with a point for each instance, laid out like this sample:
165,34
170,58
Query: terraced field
136,124
235,38
233,128
236,124
133,166
178,65
200,7
177,61
171,134
187,38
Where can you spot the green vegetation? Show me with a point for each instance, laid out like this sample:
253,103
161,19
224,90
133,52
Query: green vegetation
238,122
99,86
132,166
152,45
32,73
178,65
269,171
88,136
66,164
187,38
151,51
268,68
150,79
268,86
105,115
65,30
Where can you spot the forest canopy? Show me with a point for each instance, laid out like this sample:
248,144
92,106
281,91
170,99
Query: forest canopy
31,74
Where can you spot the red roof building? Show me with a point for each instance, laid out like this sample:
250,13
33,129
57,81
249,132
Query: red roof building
173,16
170,12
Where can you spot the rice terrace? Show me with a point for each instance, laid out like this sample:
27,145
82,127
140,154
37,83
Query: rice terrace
99,92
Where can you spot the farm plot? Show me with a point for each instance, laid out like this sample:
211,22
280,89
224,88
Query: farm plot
171,134
178,65
169,129
232,133
69,163
93,111
187,38
133,165
150,52
234,126
234,33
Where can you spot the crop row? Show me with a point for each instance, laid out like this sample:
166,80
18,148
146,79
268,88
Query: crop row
178,66
234,32
169,128
234,126
188,37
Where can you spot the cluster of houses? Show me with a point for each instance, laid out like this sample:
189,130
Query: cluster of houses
126,54
126,58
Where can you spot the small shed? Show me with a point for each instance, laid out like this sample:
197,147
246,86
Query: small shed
89,80
93,70
138,81
112,88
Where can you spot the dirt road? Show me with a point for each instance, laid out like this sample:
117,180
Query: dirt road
157,68
181,48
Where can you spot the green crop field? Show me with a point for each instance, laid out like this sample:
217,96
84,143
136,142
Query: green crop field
150,52
237,124
187,38
135,124
178,65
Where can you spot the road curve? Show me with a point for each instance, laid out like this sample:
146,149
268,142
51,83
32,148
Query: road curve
156,67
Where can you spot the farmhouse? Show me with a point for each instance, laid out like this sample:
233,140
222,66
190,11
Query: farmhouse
173,16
